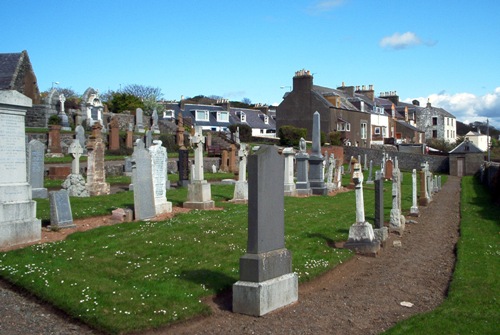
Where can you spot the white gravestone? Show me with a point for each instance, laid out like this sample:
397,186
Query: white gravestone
159,171
75,183
290,189
241,186
414,208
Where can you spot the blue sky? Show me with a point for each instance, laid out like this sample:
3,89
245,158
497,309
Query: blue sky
447,51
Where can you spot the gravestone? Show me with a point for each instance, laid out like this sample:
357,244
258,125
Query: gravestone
337,178
62,114
232,158
139,126
224,167
240,195
302,186
435,184
18,223
379,200
80,136
397,222
199,191
183,167
439,183
353,162
154,126
267,281
114,134
366,165
414,208
148,138
361,236
96,171
60,210
54,148
142,178
159,163
35,156
75,183
370,173
129,140
127,166
289,154
316,177
423,200
389,167
330,185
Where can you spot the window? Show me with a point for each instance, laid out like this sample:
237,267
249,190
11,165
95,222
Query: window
384,132
376,130
452,122
447,121
222,116
434,121
168,114
343,126
434,134
243,117
266,119
364,130
201,115
447,133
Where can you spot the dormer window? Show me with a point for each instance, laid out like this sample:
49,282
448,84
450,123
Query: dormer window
266,119
168,114
243,117
201,115
222,116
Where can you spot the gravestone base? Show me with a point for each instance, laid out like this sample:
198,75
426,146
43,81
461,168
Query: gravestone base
422,201
290,190
318,187
362,239
303,192
163,207
75,185
240,193
98,188
199,196
39,193
414,211
368,182
50,155
20,231
398,228
260,298
381,235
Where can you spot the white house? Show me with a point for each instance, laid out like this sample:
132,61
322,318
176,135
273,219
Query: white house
480,140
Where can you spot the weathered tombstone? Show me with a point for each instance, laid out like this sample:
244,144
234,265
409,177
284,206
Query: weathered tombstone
142,178
366,164
423,200
148,138
159,171
289,154
54,149
316,177
353,162
435,188
114,134
127,166
214,168
370,173
183,167
361,236
240,195
154,126
199,191
439,183
396,222
389,167
414,208
62,114
129,140
80,136
337,178
96,171
224,161
267,281
60,210
302,186
232,158
36,170
330,185
180,132
139,126
75,183
18,223
381,232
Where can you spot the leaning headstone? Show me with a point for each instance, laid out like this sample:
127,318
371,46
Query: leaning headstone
159,171
302,186
414,208
267,281
289,154
316,177
60,210
35,156
361,236
75,183
18,223
199,191
142,178
240,195
139,126
96,170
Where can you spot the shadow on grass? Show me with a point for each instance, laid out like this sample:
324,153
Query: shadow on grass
489,210
331,243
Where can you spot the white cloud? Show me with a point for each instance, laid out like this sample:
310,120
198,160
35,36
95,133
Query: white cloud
325,6
467,107
400,41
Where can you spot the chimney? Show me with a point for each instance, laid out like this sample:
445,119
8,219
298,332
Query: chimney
428,103
182,103
348,90
302,81
370,93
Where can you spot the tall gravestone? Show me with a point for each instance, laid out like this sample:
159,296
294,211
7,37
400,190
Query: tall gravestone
62,114
397,222
290,189
267,281
330,185
159,171
61,215
35,156
80,136
414,207
199,191
370,173
423,199
142,178
316,176
302,186
381,232
154,126
389,167
18,223
96,170
114,134
361,236
241,186
139,125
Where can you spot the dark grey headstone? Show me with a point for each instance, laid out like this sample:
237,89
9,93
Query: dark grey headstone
183,167
379,200
316,174
142,178
60,209
35,155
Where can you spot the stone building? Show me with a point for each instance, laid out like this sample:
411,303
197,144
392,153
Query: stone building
437,123
465,159
16,73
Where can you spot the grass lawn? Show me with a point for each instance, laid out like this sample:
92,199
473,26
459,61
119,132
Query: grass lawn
472,305
142,275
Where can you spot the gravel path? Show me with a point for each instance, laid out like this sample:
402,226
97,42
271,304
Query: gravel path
362,296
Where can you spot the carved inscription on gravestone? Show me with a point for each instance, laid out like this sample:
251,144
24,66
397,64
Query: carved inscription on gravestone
12,149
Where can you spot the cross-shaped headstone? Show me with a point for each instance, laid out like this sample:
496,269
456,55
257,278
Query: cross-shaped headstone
76,150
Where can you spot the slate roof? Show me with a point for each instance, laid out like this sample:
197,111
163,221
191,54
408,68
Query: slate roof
8,67
323,92
409,126
254,118
466,147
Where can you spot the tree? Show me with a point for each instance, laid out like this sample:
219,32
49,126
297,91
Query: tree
120,102
246,101
143,92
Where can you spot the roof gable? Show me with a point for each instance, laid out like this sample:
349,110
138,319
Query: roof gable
466,147
9,63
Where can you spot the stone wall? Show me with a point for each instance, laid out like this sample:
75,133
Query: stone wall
407,161
36,117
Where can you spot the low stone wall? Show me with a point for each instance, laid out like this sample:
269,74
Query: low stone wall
490,177
407,161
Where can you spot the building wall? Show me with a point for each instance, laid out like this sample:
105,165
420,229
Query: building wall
472,163
379,120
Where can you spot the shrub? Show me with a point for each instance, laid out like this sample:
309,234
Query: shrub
290,135
245,131
335,138
54,120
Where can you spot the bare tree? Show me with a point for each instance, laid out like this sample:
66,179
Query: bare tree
143,92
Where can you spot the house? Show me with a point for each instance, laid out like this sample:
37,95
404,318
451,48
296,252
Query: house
16,73
437,123
337,113
261,123
480,140
465,159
